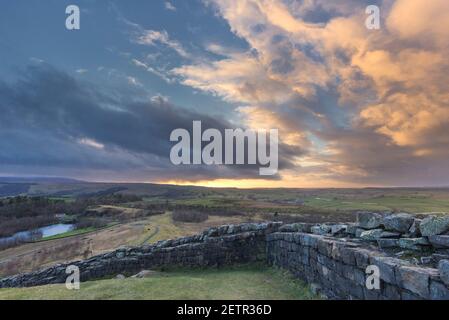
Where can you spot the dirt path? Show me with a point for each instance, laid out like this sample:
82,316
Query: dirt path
155,232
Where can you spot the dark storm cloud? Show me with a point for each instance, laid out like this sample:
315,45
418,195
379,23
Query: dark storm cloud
53,121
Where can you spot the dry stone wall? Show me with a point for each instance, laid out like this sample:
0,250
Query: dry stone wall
339,268
332,258
216,247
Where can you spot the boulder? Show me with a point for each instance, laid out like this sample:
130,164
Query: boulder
439,241
369,220
146,274
400,222
120,277
443,268
433,225
413,243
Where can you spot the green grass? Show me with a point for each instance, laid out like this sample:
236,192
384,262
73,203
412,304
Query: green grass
247,282
413,204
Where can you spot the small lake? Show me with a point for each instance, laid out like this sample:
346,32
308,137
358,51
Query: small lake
41,233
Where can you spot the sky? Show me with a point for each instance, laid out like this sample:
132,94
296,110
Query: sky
354,106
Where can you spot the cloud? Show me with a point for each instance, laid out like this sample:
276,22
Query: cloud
56,124
169,6
153,38
160,73
91,143
81,71
133,81
367,107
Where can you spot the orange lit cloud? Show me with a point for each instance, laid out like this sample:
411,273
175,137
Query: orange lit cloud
370,107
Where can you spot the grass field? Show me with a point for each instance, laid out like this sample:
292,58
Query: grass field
168,229
239,283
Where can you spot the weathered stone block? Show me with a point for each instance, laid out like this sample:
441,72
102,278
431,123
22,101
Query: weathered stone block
438,291
437,257
388,243
400,222
354,274
443,268
433,225
321,229
391,292
415,279
439,241
371,235
361,256
415,231
358,232
338,228
347,255
369,220
373,294
351,229
406,295
296,227
413,243
325,246
387,266
309,240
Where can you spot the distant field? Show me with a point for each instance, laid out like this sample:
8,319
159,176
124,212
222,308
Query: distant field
237,283
399,203
416,200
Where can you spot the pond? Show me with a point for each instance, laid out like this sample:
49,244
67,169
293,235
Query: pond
37,234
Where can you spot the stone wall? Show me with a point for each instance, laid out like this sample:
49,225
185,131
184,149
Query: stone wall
337,268
328,256
217,247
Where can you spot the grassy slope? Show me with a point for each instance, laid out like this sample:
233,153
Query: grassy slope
234,283
169,229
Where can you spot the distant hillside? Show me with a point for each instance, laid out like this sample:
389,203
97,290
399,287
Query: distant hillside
38,180
16,186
